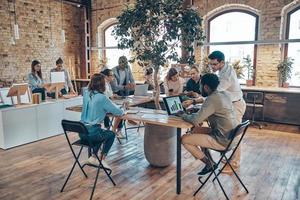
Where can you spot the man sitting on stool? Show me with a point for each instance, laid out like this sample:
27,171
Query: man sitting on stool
219,111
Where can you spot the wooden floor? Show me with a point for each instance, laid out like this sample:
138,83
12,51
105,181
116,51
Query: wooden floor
270,168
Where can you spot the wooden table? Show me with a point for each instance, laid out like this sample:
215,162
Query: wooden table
157,117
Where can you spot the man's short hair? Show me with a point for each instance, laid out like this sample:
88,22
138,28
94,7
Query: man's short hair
217,55
211,80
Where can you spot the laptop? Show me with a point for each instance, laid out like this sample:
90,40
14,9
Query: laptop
57,77
141,90
173,104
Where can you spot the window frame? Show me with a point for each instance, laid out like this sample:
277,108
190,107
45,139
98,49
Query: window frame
104,38
255,36
287,32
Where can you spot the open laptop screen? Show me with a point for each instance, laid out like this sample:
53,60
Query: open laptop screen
173,104
141,90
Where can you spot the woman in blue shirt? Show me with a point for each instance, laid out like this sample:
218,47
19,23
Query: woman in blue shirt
35,79
95,107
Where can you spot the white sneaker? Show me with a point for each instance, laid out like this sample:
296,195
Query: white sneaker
93,161
105,165
120,135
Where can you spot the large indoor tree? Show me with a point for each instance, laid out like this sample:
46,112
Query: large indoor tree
152,29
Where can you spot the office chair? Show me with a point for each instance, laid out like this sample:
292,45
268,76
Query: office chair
78,127
231,148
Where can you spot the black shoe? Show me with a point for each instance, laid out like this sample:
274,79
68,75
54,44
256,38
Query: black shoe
207,169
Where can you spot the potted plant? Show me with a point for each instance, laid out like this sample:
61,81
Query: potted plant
250,70
238,68
152,30
205,68
285,71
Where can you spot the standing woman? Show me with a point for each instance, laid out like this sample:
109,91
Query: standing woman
95,107
35,79
173,84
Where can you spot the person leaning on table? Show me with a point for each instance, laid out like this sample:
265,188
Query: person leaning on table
218,110
35,79
229,83
123,84
95,107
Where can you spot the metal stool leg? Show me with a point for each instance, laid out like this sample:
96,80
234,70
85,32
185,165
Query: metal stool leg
71,171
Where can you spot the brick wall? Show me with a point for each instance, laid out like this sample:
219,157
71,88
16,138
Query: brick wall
35,32
268,56
36,41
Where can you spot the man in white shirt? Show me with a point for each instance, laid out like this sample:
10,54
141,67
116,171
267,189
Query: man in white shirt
229,83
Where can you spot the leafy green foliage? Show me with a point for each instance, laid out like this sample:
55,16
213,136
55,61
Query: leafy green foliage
153,28
238,68
205,68
285,69
249,66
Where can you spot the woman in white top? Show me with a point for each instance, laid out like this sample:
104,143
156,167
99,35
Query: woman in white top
173,84
109,77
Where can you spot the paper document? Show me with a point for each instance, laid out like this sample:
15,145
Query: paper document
154,116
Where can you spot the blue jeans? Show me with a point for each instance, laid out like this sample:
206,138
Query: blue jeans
97,136
41,91
107,123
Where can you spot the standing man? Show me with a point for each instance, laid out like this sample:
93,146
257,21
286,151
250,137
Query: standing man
123,83
229,82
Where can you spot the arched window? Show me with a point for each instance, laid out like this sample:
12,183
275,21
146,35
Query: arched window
293,49
113,54
231,26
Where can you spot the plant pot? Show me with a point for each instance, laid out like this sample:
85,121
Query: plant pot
249,82
160,145
285,84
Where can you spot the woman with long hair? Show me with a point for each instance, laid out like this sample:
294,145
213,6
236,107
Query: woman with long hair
173,84
95,107
35,79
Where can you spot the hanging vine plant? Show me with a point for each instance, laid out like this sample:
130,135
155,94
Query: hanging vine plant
152,29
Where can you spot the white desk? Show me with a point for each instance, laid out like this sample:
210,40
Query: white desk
28,123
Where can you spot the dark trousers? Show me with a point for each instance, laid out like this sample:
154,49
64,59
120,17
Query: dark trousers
41,91
97,136
124,93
